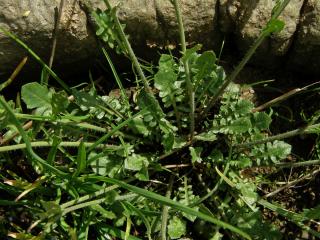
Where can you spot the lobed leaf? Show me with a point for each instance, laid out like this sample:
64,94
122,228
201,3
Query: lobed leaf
35,95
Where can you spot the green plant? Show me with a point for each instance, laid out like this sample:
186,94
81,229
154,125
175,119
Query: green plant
114,184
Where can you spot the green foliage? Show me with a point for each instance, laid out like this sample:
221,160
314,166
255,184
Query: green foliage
107,30
114,185
176,228
108,165
166,81
36,95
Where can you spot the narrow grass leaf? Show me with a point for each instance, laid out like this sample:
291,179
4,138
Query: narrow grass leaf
42,63
166,201
114,130
25,138
53,150
81,159
84,226
104,230
141,215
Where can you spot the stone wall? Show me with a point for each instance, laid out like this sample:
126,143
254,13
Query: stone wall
151,24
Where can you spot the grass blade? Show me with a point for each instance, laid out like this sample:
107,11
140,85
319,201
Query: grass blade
25,138
36,57
114,130
168,202
116,76
81,159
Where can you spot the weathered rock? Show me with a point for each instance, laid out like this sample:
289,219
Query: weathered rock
245,19
153,25
149,23
33,22
305,54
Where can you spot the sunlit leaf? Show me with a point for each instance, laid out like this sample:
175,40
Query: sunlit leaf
35,95
136,162
176,228
261,120
240,125
107,165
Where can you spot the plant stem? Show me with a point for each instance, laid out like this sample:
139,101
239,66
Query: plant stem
128,47
62,120
235,73
290,184
277,100
291,216
114,130
265,32
116,76
54,42
307,129
174,204
48,144
14,74
165,211
186,67
42,63
95,202
25,138
298,164
89,196
176,112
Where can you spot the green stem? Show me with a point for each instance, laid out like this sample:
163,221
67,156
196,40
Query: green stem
176,112
114,130
128,47
304,130
92,195
116,76
174,204
48,144
62,120
235,73
211,192
88,197
265,33
25,138
165,211
95,202
291,216
42,63
186,67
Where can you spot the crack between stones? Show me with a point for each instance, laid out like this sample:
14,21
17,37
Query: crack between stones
295,34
